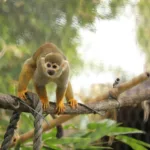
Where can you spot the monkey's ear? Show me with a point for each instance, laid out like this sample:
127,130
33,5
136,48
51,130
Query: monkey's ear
42,59
64,65
41,62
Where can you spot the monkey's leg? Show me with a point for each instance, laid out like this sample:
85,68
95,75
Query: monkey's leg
69,96
41,91
60,93
24,78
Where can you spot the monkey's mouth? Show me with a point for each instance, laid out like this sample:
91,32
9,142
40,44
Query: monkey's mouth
51,72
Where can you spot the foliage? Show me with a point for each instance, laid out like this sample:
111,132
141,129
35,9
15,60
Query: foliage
143,26
91,137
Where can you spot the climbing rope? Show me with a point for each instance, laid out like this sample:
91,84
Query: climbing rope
36,111
10,130
36,104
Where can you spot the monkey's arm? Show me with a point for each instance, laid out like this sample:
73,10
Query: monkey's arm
25,76
69,96
60,93
41,91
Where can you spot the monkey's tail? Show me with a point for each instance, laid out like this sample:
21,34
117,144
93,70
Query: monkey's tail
60,131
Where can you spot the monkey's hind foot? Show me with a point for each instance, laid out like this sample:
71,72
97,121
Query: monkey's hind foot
73,103
45,104
60,108
22,94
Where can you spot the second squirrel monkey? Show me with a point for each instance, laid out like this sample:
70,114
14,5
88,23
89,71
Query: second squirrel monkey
48,64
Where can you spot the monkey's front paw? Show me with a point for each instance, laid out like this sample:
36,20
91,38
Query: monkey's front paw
73,103
45,104
22,94
60,108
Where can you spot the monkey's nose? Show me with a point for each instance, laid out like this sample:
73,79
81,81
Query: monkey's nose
51,72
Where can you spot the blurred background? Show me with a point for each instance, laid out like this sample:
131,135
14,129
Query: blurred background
102,39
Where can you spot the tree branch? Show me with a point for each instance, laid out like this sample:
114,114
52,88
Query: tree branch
12,103
116,91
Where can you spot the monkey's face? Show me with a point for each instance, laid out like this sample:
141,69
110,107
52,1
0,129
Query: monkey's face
53,69
54,65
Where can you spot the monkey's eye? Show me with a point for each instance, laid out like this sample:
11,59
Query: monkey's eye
54,66
48,65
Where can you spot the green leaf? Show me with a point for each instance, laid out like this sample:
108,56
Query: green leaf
103,123
25,147
104,128
50,134
135,144
109,128
95,148
51,147
124,130
28,121
66,140
83,133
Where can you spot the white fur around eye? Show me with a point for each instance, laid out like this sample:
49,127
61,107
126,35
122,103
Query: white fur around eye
48,65
55,66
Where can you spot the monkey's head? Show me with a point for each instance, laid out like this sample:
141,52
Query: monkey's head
53,65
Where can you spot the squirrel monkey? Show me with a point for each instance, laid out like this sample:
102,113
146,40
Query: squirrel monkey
48,64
